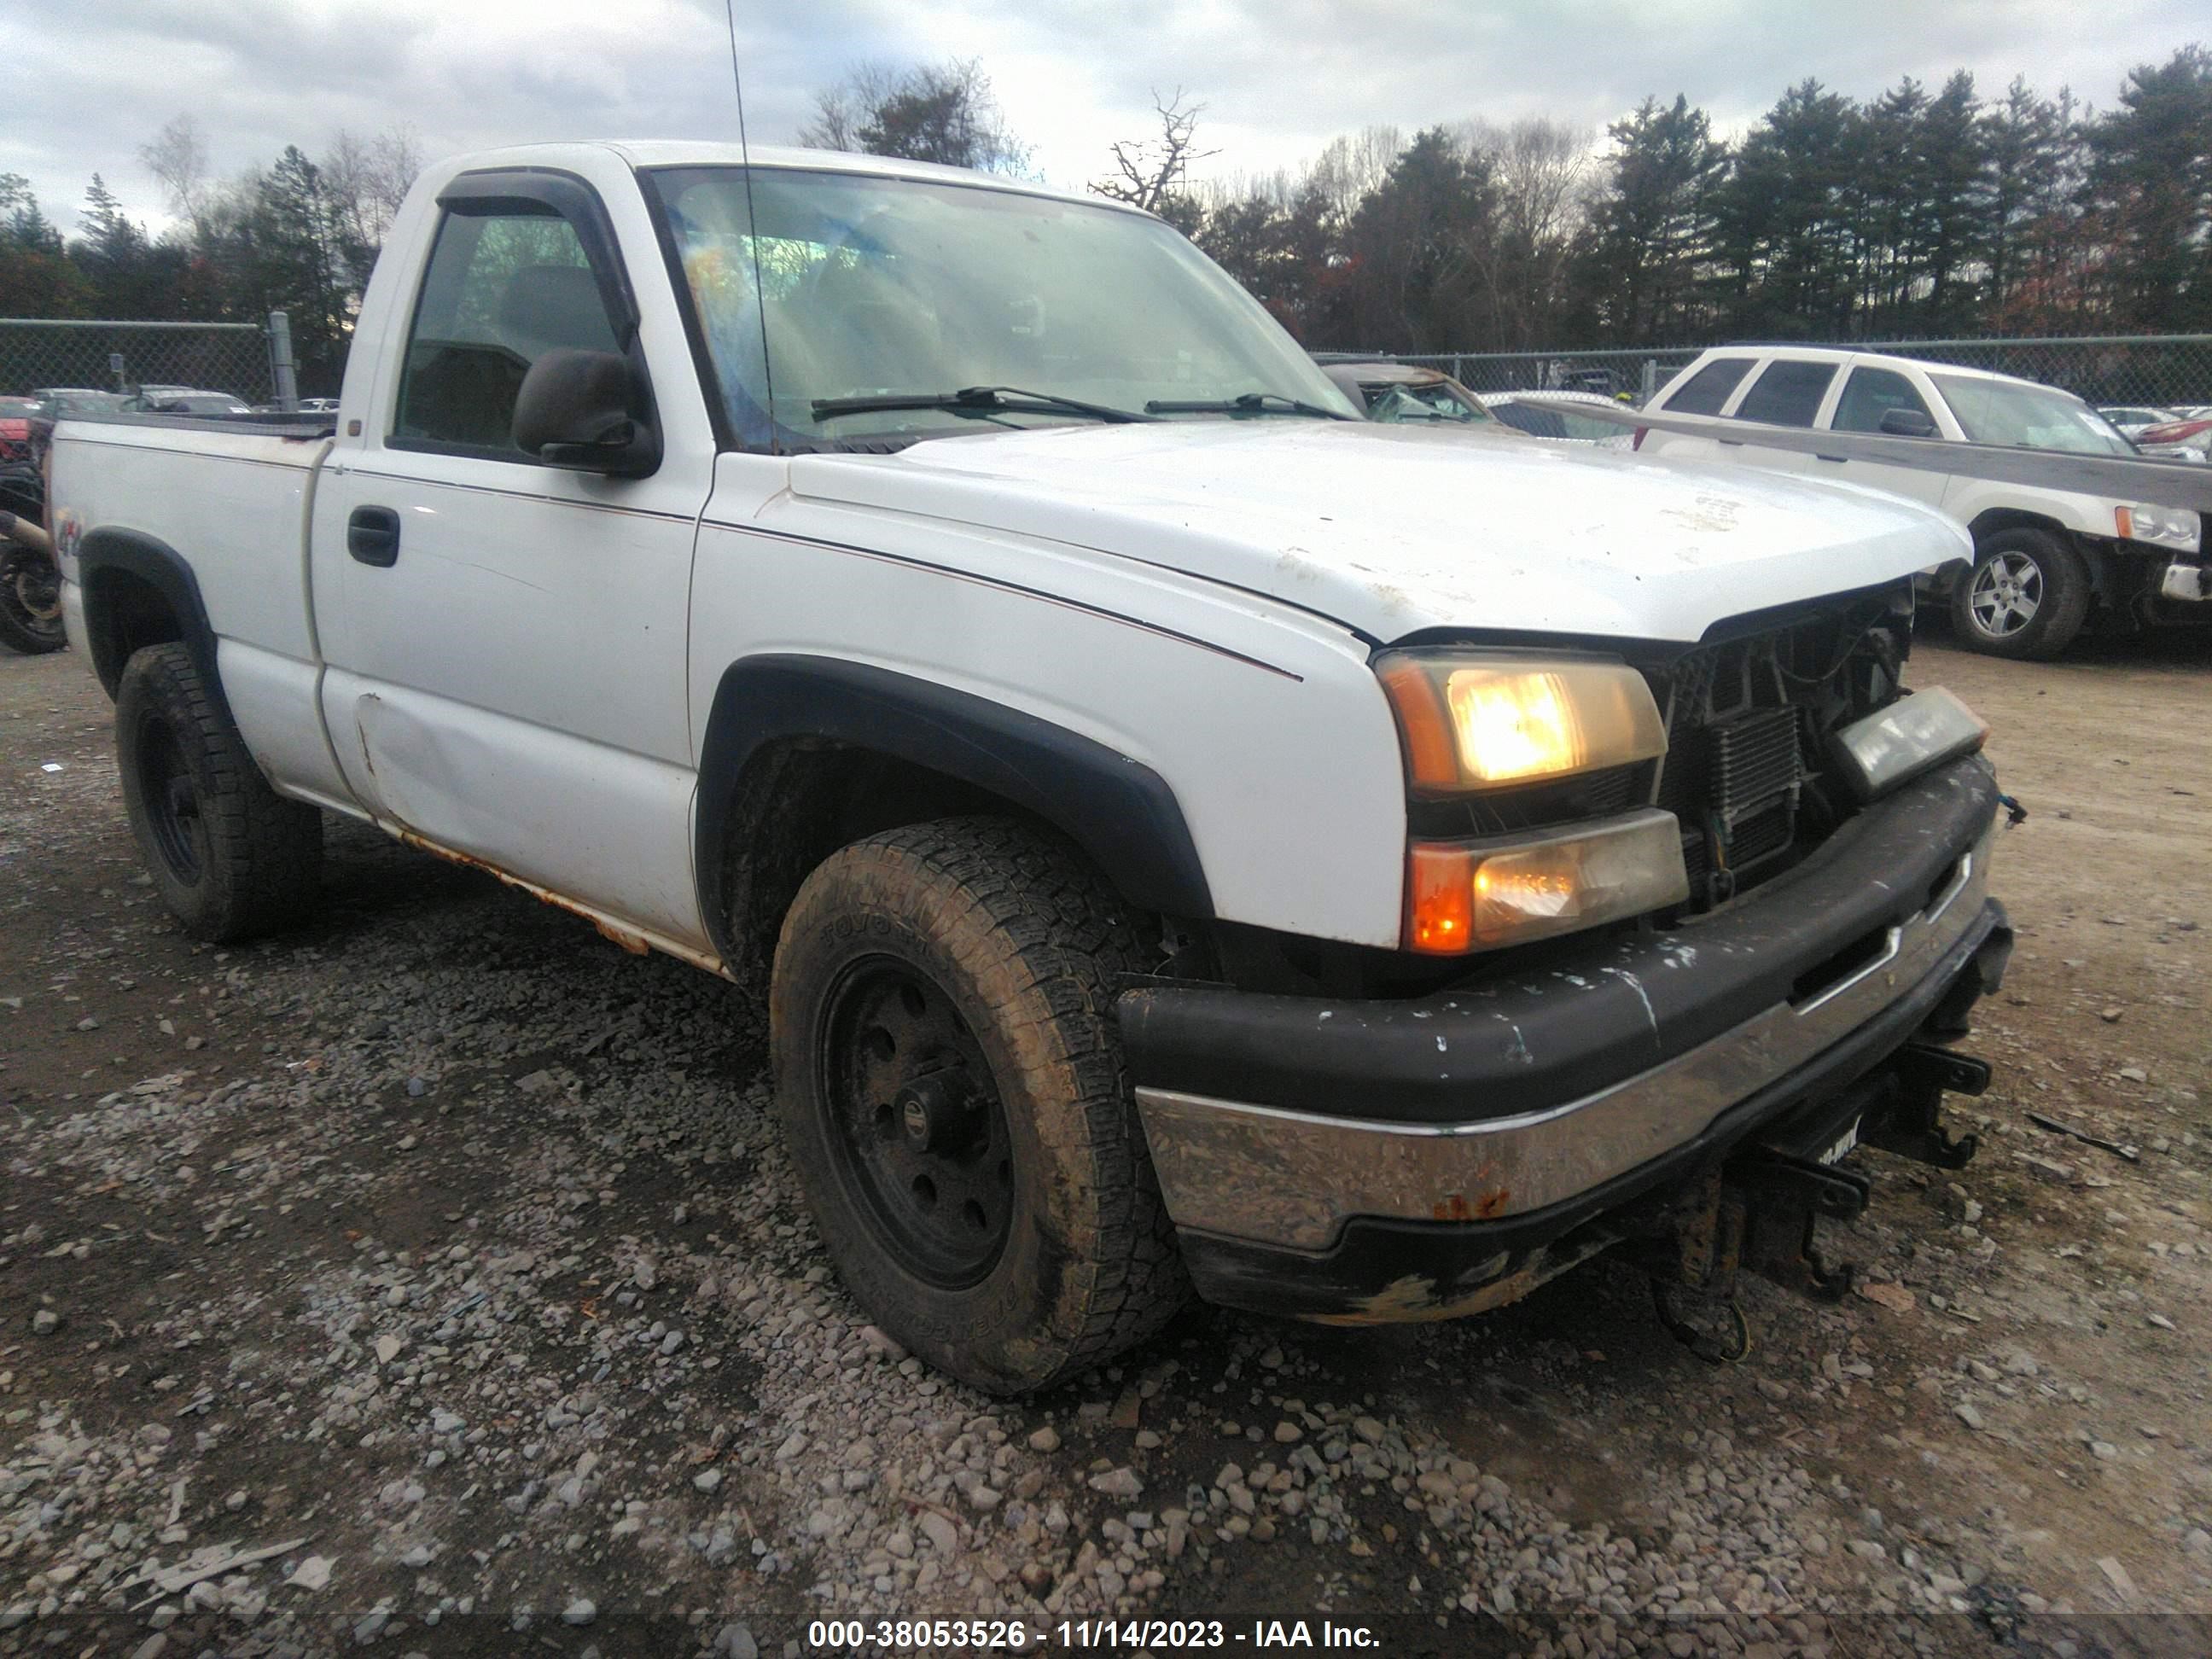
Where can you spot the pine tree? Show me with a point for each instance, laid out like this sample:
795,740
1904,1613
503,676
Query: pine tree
1643,259
2150,181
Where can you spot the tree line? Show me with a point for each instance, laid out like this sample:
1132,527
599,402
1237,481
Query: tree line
1913,213
300,235
1916,212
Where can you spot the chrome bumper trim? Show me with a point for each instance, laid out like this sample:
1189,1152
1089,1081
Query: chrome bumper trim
1292,1179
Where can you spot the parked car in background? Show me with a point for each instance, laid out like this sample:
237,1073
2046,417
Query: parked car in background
2046,562
56,401
2187,436
1557,424
1392,392
2129,420
15,417
186,400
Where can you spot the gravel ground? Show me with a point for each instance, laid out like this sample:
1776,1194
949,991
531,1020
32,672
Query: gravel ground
432,1280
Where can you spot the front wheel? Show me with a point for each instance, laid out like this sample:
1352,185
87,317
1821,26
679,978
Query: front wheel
952,1091
2027,595
30,600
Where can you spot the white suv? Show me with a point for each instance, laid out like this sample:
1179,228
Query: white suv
2044,559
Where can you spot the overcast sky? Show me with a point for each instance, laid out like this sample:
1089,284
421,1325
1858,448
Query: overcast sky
89,81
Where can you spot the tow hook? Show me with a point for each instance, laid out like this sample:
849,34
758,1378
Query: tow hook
1910,1128
1759,1211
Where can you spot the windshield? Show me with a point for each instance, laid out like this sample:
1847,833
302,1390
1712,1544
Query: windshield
2027,417
1433,402
879,287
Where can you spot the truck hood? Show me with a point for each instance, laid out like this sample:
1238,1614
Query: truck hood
1390,529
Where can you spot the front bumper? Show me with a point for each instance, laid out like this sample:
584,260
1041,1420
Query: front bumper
1414,1159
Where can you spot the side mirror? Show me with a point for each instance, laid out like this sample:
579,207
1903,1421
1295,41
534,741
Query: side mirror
1907,424
574,412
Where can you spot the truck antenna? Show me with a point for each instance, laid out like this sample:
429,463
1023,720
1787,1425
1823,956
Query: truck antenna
752,227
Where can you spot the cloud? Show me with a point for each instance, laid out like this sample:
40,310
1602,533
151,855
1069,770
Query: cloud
92,80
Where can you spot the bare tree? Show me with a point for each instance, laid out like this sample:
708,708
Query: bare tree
1542,176
944,113
1350,166
367,178
1148,173
1543,170
177,156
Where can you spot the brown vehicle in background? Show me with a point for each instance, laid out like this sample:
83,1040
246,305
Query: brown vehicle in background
1394,392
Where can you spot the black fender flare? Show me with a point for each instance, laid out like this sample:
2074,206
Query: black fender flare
1120,811
161,568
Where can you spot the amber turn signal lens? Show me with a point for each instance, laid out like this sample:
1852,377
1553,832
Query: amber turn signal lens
1475,896
1439,901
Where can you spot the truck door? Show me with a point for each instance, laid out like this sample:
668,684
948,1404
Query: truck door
506,639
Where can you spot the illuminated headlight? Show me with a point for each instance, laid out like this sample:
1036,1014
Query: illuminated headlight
1478,722
1900,742
1477,896
2168,526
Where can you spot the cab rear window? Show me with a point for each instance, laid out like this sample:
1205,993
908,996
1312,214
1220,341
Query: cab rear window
1704,392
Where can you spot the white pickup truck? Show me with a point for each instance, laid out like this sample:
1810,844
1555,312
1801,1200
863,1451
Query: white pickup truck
2047,557
1185,836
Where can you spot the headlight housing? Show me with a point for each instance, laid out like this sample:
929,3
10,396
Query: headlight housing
1477,896
2167,526
1485,722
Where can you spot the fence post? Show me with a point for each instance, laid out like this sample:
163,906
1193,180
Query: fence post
1650,378
280,361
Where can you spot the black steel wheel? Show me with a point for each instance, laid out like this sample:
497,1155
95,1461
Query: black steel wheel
952,1089
30,600
227,854
175,822
920,1134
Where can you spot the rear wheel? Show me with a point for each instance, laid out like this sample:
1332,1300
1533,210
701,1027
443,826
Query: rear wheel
30,600
227,854
952,1091
2027,595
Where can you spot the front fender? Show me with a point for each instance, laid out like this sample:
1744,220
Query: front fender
1118,810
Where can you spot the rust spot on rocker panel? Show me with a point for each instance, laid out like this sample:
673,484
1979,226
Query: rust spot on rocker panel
630,940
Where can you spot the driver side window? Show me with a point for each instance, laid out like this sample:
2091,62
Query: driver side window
1871,393
502,289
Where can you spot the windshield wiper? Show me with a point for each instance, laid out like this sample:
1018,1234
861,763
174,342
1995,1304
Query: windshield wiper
1249,403
974,400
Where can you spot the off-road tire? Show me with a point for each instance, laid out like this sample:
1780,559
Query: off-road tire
1028,942
30,609
229,856
2062,601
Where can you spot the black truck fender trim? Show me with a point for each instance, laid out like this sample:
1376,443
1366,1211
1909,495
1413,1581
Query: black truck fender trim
1121,812
110,551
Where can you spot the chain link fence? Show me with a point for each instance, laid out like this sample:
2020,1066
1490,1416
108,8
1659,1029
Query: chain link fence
122,357
2161,372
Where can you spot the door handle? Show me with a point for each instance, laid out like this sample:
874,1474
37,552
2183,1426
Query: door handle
373,535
